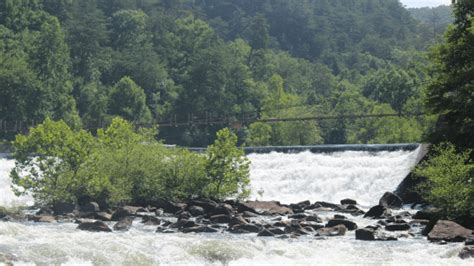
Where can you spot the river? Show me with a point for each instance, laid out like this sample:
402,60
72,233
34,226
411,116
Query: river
363,176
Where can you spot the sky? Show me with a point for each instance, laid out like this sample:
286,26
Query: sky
424,3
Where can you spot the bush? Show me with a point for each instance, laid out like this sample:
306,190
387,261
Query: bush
227,167
122,165
450,176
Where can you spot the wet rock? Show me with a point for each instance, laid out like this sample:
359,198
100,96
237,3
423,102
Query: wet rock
338,230
338,216
196,210
183,224
246,228
200,229
44,219
348,202
265,233
282,223
271,207
313,225
45,211
428,214
297,216
469,242
295,228
324,204
377,211
249,214
397,227
348,224
151,220
103,216
367,234
222,208
237,219
390,200
62,208
124,224
183,215
89,207
449,232
313,218
276,231
467,252
97,226
125,211
220,218
300,206
420,222
206,204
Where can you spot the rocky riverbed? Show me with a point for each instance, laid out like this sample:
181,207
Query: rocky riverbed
314,221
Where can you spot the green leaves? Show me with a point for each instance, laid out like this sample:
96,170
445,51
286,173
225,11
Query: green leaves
450,177
227,167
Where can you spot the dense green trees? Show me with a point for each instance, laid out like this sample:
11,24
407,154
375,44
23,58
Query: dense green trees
215,60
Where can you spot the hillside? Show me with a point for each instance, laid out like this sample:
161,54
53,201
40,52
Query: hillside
187,61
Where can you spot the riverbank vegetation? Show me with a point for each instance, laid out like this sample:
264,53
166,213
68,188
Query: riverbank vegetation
121,164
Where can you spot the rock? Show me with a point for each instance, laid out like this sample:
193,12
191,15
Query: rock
237,219
313,225
467,252
297,216
430,214
313,218
338,216
338,230
377,211
271,207
324,204
183,215
348,224
265,233
199,229
97,226
124,224
45,211
89,207
276,231
183,224
249,214
220,218
124,211
62,208
44,219
390,200
397,227
469,242
206,204
300,206
246,228
367,234
166,205
103,216
449,232
151,220
196,210
348,202
295,227
222,208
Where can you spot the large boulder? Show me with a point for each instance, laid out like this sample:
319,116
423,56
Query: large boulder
390,200
348,202
125,211
377,211
124,224
103,216
348,224
367,234
97,226
449,231
270,207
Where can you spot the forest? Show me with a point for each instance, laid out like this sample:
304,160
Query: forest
227,62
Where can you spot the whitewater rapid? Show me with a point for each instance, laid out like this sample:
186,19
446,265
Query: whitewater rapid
363,176
286,177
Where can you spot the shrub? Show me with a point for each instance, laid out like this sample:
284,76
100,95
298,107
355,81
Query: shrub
450,176
227,167
123,165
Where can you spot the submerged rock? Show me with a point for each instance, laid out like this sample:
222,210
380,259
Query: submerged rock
449,231
97,226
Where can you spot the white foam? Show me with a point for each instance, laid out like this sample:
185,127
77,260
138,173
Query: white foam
362,176
7,197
